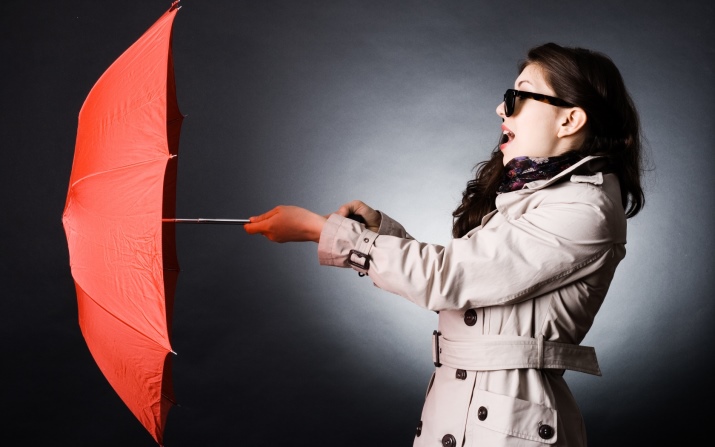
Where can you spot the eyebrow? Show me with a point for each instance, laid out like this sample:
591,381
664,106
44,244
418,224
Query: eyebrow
523,81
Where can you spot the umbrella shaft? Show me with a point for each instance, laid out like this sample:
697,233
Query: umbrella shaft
210,221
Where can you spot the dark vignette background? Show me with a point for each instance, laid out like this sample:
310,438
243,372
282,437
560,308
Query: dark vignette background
315,103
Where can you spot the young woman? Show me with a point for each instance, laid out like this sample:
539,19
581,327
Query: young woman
537,239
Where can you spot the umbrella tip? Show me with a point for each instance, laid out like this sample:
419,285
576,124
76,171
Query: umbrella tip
174,352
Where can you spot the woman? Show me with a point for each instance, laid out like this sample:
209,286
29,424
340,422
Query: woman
537,238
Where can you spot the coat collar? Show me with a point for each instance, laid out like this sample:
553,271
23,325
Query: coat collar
592,164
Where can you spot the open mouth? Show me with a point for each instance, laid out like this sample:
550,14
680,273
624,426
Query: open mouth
506,137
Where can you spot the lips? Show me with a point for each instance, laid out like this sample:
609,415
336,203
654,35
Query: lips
506,137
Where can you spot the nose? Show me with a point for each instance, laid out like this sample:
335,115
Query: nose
500,110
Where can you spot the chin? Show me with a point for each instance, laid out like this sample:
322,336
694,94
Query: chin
508,154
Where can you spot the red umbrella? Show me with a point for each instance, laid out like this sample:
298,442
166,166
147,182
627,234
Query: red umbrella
122,256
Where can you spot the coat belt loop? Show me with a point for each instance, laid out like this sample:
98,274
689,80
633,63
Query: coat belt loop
540,344
435,348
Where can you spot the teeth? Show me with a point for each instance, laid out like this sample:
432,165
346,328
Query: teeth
506,136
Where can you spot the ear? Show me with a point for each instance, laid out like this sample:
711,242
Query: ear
573,120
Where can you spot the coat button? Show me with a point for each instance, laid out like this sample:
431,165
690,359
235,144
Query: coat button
419,429
470,317
546,431
482,413
461,374
449,441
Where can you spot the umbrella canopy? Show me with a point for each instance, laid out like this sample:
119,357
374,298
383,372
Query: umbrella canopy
122,256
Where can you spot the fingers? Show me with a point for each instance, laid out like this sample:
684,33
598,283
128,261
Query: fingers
254,228
345,210
266,215
359,211
351,207
260,224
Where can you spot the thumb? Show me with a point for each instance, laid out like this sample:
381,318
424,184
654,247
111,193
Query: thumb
343,211
251,228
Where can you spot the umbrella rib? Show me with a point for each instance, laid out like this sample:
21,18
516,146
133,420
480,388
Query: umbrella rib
89,210
170,399
119,168
119,319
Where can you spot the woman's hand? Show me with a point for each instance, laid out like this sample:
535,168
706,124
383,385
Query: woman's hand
287,224
372,218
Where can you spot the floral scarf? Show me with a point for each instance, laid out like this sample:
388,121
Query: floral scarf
522,170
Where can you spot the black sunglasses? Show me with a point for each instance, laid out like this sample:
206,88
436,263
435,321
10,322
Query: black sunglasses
511,95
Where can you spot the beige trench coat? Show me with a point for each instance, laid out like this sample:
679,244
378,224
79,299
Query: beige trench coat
515,297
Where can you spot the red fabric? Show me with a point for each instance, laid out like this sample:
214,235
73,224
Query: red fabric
122,257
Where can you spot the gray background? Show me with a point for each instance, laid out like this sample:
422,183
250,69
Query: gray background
316,103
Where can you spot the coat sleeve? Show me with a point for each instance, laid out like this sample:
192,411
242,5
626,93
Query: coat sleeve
390,227
518,259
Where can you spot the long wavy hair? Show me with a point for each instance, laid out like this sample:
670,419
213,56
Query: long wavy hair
592,81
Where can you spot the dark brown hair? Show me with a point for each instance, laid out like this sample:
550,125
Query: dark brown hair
590,80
